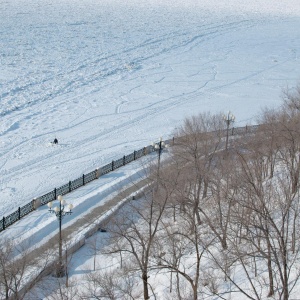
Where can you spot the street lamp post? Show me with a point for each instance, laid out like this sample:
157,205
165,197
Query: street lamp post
159,148
60,212
229,119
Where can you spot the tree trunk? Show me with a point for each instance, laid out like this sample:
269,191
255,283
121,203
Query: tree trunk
271,282
205,188
178,287
294,235
224,243
145,285
195,292
285,276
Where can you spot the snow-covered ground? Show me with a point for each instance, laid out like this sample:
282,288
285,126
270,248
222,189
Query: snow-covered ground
107,77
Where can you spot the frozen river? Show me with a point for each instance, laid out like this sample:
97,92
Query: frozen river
108,77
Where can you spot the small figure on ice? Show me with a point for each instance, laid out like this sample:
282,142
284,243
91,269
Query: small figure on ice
55,141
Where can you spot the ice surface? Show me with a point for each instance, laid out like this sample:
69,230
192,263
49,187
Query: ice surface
107,77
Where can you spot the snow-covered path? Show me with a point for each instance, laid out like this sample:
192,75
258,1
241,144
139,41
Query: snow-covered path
39,226
108,77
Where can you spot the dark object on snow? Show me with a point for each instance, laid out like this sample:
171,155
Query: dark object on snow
55,141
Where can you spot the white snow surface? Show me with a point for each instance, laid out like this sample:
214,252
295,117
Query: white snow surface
107,77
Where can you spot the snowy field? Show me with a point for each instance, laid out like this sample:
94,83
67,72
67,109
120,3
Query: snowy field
107,77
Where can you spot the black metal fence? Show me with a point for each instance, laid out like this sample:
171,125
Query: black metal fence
86,178
71,186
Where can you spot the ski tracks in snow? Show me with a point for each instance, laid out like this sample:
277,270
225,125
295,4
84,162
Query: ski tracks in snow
98,102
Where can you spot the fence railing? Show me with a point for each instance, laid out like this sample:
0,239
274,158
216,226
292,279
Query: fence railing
71,186
86,178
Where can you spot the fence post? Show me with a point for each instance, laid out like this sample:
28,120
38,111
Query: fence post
3,223
100,172
54,193
134,155
112,165
19,213
124,160
97,173
83,183
36,203
70,186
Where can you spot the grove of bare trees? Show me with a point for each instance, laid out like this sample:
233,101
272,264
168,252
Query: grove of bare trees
218,222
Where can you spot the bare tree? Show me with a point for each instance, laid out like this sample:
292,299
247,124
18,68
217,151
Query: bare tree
291,99
199,141
134,228
20,269
181,252
216,208
272,213
111,284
